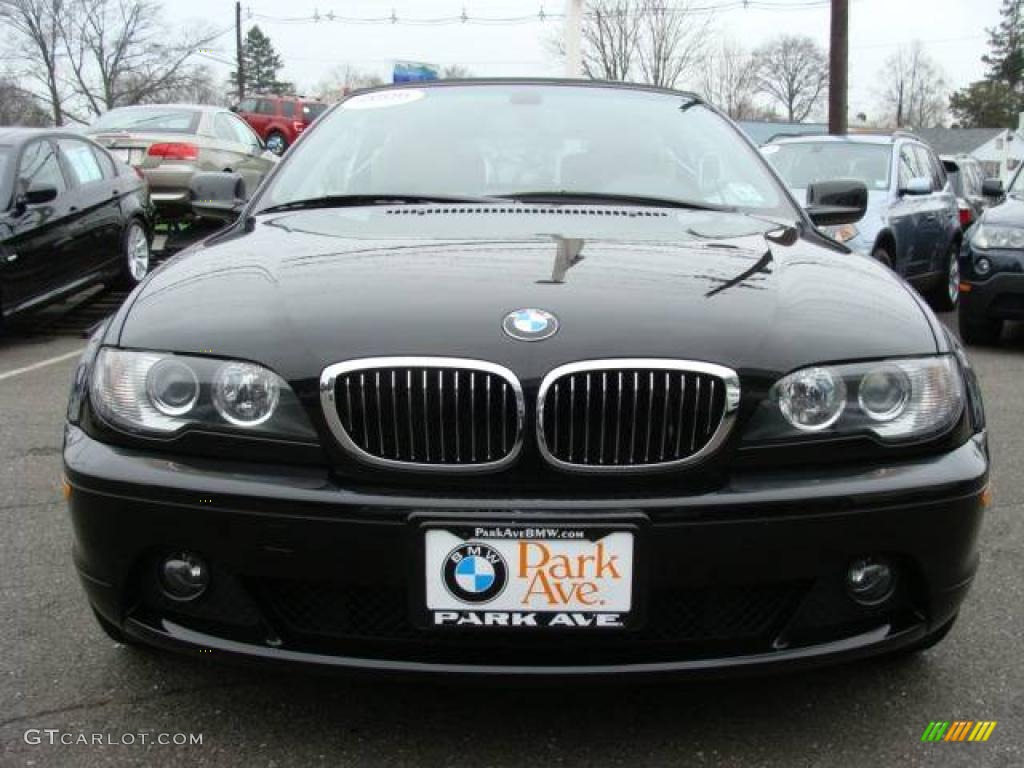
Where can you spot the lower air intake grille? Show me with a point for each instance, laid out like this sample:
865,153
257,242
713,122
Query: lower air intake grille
425,413
627,415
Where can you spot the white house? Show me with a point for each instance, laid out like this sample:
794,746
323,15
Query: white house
1000,151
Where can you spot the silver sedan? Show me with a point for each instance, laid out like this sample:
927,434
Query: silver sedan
169,143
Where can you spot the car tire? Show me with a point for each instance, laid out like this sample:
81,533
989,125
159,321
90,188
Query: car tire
111,630
945,296
983,331
135,253
277,143
882,255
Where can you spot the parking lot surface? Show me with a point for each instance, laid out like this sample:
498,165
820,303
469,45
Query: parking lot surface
59,671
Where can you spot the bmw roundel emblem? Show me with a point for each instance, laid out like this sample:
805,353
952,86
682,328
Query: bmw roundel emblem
475,573
530,324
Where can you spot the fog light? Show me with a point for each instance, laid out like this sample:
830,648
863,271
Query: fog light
870,581
184,576
982,266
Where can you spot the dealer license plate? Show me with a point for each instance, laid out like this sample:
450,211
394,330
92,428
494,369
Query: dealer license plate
523,576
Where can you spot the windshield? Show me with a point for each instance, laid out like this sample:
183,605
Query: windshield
313,111
144,119
804,163
494,140
1017,184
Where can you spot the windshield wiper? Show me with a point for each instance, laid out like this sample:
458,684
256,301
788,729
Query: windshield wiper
353,201
611,197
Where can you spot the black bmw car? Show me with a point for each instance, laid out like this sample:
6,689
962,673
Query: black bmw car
70,216
992,267
526,378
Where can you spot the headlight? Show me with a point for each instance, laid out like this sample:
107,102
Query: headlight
893,400
842,233
987,236
160,394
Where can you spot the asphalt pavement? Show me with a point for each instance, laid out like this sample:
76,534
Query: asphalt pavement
59,671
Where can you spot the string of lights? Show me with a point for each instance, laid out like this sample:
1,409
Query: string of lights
540,16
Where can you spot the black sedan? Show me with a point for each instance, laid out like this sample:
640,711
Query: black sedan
71,216
526,378
992,267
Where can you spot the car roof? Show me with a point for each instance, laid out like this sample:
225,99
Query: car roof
963,157
17,135
847,138
535,81
194,107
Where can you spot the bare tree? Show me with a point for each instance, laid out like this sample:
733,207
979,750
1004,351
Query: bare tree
198,85
35,29
914,89
19,107
641,40
793,71
119,52
455,72
729,81
340,80
673,39
611,38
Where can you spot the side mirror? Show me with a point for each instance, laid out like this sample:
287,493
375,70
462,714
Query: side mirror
40,193
234,107
218,196
992,188
832,203
37,194
919,185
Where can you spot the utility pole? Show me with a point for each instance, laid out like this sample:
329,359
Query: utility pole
838,66
238,51
574,38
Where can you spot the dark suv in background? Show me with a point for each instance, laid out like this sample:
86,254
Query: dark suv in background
912,222
279,120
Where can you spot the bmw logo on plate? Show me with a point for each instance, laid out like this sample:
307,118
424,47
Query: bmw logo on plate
475,573
530,324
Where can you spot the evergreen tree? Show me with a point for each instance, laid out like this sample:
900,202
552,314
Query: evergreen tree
1006,61
261,64
996,101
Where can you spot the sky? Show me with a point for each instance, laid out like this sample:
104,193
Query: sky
952,32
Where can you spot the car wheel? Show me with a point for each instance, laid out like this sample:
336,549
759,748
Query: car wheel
135,252
882,255
946,294
276,143
982,331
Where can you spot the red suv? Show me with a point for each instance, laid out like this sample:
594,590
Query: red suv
279,119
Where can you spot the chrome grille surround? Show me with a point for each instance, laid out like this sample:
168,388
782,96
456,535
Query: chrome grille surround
599,371
438,367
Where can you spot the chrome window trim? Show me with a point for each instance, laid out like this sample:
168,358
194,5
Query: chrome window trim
328,381
728,376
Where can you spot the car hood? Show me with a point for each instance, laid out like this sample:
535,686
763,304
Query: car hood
303,290
1010,212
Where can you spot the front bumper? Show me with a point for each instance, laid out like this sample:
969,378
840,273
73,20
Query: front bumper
308,572
999,297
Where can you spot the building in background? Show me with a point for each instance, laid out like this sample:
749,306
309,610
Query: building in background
1000,151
